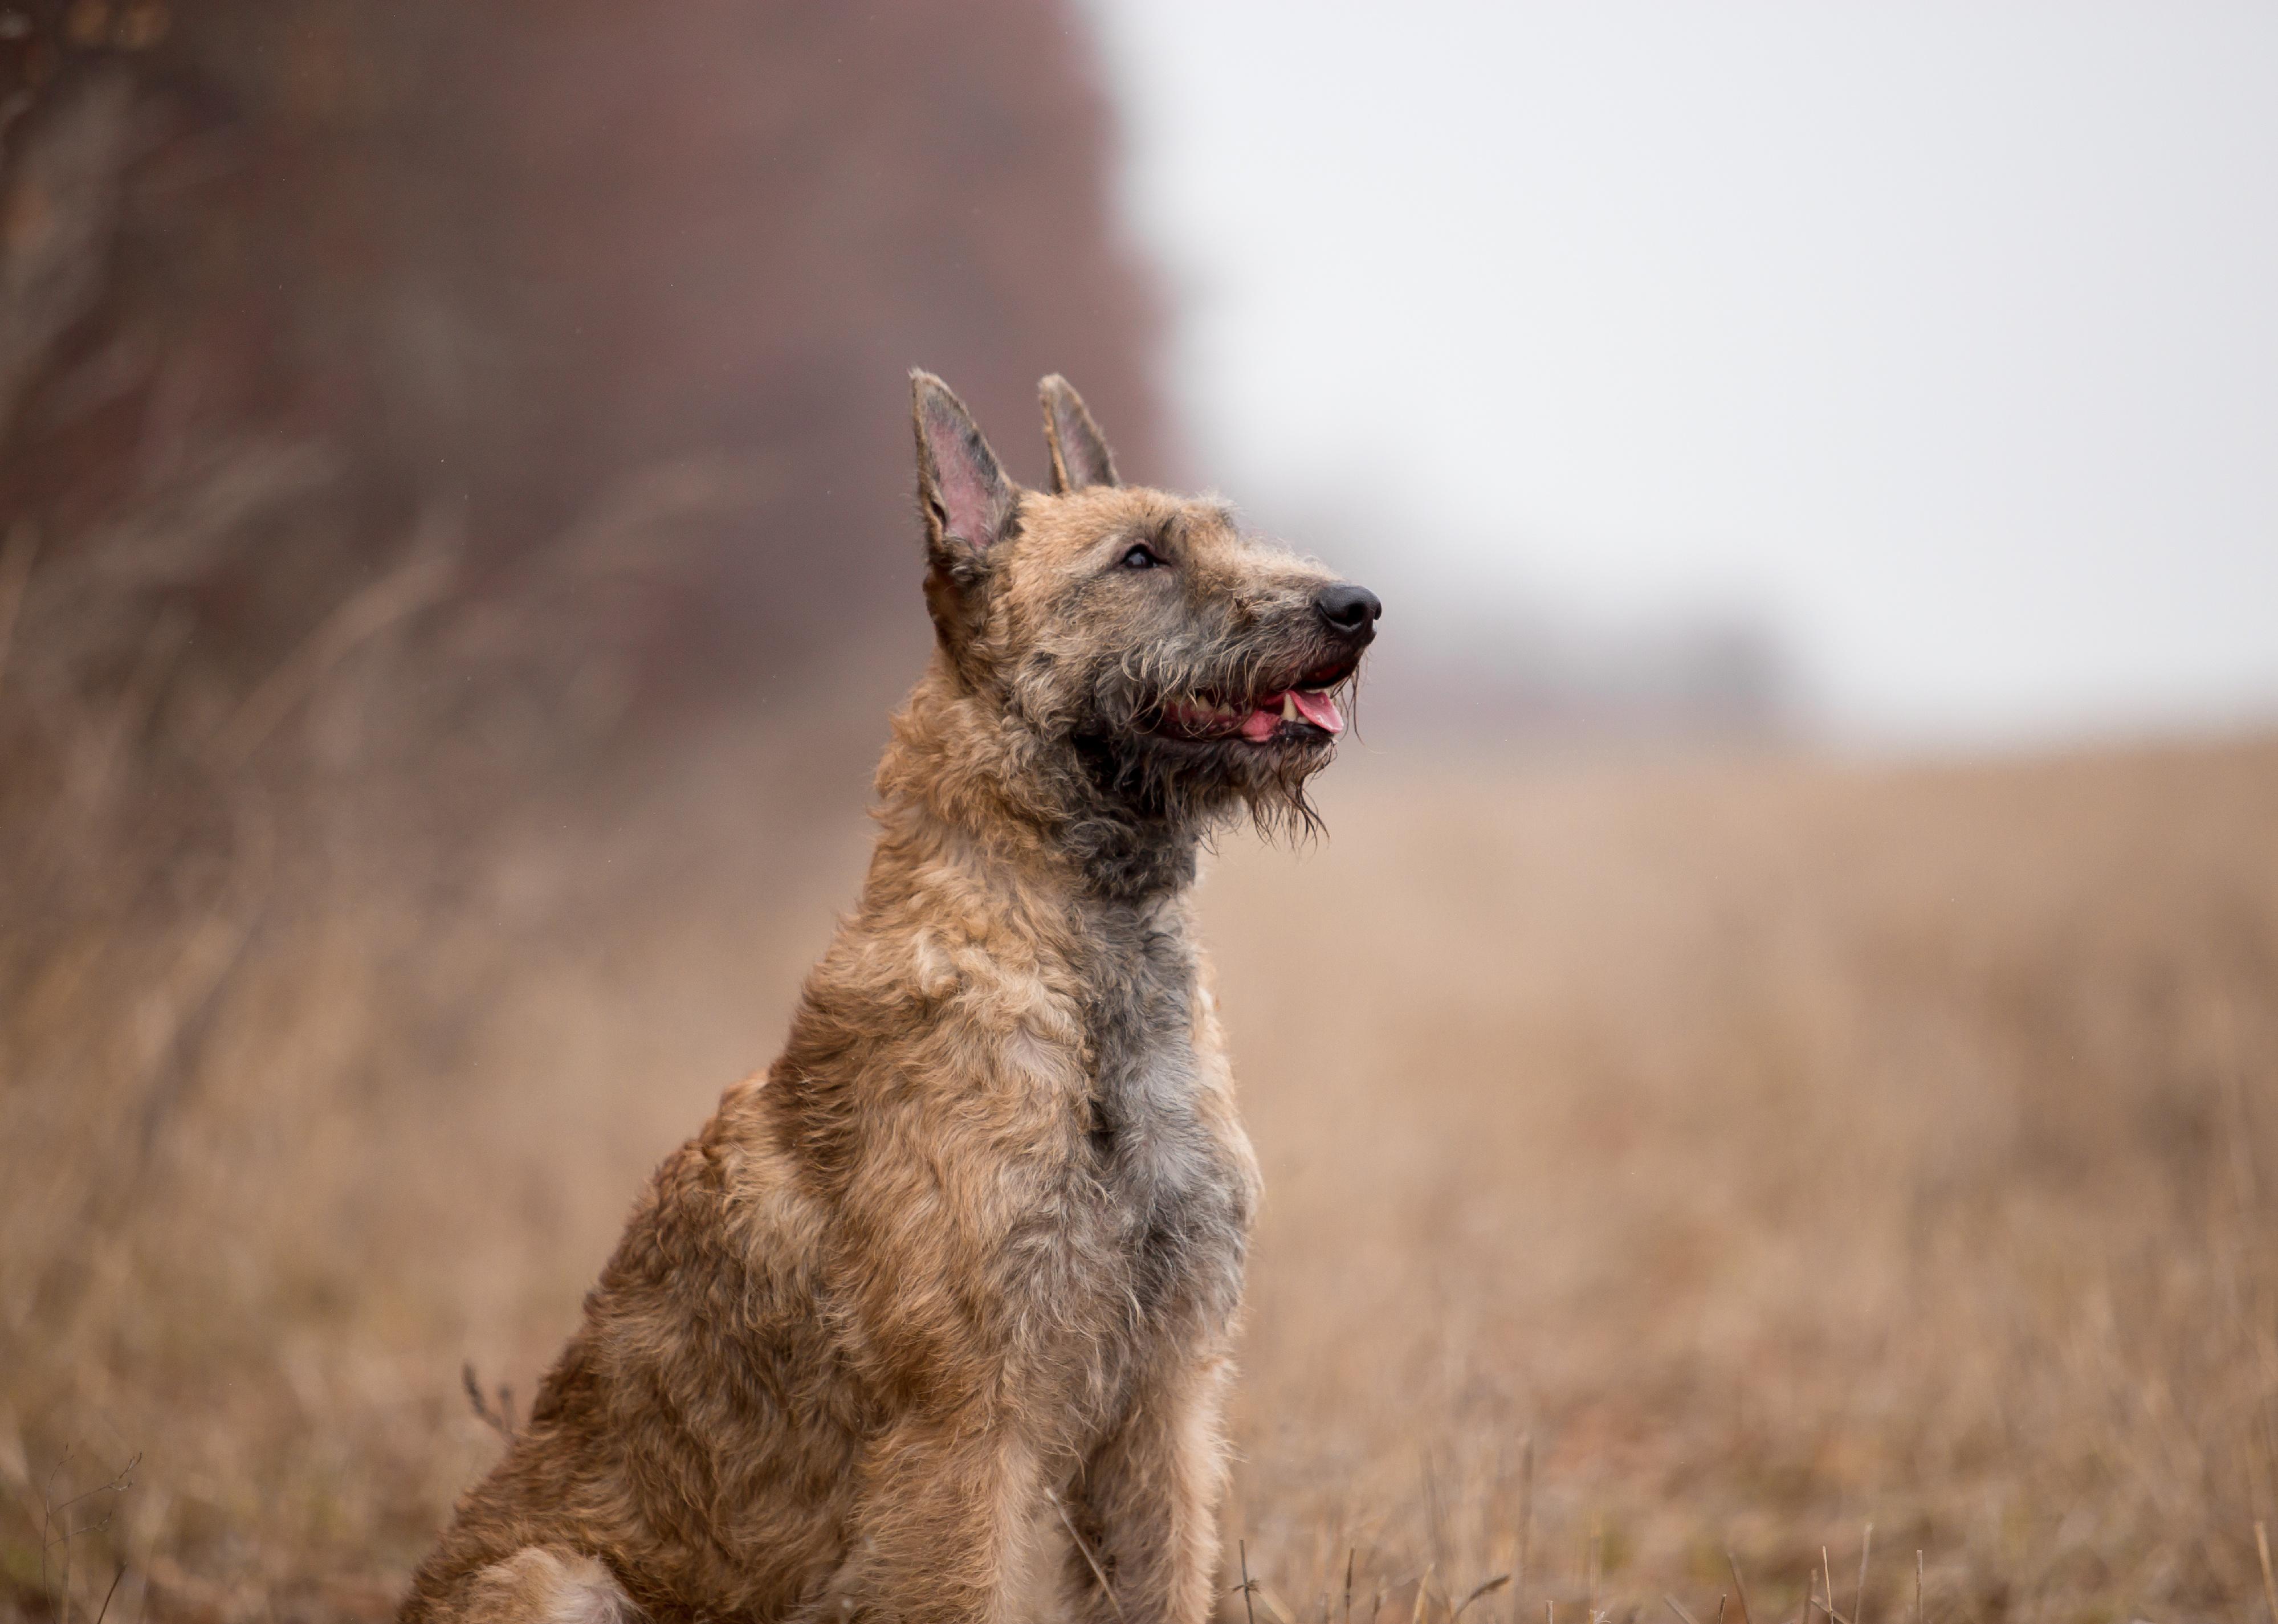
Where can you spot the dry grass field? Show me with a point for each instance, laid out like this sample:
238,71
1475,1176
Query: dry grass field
1665,1159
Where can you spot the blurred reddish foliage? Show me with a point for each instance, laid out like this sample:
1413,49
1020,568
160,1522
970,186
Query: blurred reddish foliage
510,261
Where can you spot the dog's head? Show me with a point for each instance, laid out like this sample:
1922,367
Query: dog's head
1140,644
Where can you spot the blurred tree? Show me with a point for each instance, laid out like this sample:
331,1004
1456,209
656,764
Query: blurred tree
619,297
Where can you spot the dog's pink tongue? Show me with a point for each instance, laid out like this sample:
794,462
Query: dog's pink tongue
1318,709
1258,726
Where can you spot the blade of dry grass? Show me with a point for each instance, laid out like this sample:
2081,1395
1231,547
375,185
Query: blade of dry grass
1525,1524
1739,1587
1486,1587
1859,1593
1083,1548
1423,1595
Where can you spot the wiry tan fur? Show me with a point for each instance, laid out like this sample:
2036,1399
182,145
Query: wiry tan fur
953,1286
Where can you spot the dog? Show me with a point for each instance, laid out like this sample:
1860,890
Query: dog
932,1321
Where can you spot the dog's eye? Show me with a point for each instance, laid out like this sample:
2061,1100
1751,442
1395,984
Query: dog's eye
1140,558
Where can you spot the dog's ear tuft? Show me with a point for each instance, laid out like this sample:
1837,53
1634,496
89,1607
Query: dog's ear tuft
1079,455
968,502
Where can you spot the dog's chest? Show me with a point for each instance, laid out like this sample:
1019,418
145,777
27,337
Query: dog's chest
1174,1189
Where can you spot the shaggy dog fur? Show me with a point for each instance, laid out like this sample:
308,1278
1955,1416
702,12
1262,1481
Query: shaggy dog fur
931,1322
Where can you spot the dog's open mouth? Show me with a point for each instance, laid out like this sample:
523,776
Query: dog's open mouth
1305,710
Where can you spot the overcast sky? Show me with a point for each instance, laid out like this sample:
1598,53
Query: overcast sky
1942,337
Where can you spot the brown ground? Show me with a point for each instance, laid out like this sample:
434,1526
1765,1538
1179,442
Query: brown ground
1663,1159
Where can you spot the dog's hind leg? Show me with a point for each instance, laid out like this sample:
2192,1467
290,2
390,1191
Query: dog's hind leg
544,1584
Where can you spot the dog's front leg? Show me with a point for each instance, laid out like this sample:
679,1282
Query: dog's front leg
944,1515
1147,1501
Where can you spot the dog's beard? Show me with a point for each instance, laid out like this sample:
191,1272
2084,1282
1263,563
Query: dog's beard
1195,784
1181,758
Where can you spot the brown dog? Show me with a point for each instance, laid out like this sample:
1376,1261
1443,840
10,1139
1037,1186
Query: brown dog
932,1321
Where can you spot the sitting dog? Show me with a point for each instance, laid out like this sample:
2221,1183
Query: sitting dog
932,1321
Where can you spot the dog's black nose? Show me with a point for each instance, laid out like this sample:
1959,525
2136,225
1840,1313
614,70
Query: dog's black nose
1350,610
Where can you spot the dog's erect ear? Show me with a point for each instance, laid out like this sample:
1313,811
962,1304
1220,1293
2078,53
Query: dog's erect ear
968,502
1080,456
969,508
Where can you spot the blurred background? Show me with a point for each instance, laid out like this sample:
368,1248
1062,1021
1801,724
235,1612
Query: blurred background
1802,1084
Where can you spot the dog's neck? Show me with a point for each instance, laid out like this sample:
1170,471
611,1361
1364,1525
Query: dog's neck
958,778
